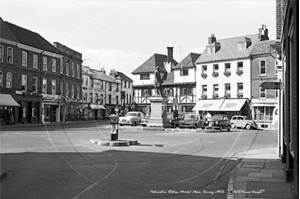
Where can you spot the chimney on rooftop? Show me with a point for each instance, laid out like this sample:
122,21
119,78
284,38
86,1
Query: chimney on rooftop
170,54
263,33
212,39
112,73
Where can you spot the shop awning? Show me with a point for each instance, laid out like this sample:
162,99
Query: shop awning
208,105
97,106
7,100
232,105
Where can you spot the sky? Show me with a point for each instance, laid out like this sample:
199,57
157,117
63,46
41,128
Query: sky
122,35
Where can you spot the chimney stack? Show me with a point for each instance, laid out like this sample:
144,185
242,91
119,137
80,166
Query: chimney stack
170,54
112,73
212,39
263,33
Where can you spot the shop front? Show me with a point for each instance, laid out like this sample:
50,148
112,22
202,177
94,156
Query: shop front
262,111
7,109
98,111
50,108
228,107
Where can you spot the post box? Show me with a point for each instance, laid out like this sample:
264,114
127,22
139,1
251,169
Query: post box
114,121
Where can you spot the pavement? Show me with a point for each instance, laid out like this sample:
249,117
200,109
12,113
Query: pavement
259,174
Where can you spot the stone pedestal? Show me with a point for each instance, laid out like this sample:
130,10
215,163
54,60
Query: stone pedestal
158,116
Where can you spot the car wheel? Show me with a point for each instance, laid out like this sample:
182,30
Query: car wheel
195,126
233,126
133,123
228,129
248,127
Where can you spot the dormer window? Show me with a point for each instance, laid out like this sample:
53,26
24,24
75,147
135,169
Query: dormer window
244,43
213,48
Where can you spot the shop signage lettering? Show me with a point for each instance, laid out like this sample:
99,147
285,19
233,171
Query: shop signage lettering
206,105
230,105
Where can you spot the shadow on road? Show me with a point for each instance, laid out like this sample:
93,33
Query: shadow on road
113,174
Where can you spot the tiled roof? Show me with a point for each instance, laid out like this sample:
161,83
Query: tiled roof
262,47
25,37
229,49
124,77
149,65
5,32
188,61
102,76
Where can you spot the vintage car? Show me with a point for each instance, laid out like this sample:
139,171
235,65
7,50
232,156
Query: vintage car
145,120
240,121
174,122
192,120
218,122
131,118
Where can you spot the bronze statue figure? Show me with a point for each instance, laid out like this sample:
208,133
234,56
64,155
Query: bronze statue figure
157,82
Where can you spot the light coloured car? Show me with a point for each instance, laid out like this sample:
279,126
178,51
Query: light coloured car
131,118
241,121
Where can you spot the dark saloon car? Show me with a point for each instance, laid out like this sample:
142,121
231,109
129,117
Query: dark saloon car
192,121
219,122
174,121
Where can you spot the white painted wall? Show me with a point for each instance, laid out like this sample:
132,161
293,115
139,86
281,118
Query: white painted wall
138,81
221,80
181,79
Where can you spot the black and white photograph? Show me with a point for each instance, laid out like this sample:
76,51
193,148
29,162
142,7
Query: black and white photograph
162,99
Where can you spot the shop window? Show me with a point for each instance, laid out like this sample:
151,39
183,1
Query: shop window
47,111
186,91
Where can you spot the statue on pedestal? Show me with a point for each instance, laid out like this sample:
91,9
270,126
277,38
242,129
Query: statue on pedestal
158,82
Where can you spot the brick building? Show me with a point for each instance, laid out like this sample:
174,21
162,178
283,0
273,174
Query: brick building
290,90
69,85
263,69
27,62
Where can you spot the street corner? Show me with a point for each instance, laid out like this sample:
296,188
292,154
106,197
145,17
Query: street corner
107,142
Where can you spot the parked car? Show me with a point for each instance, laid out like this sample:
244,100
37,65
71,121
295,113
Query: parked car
174,122
131,118
240,121
192,121
219,122
145,120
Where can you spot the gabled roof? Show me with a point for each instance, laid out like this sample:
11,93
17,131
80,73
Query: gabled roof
21,35
262,47
124,77
229,49
102,76
149,65
188,61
